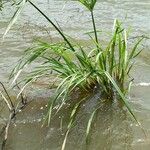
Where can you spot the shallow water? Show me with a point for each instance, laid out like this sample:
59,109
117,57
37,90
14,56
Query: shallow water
113,129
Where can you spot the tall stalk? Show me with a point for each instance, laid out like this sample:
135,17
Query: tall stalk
94,27
60,32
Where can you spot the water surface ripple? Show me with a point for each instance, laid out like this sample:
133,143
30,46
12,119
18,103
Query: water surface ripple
113,129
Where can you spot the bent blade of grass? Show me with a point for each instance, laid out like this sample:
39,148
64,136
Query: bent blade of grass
22,89
36,53
89,124
91,52
85,63
98,58
6,101
72,119
129,68
73,113
47,117
30,56
137,53
14,18
62,83
80,80
65,140
134,48
133,53
123,99
129,86
64,91
67,89
49,113
16,77
71,65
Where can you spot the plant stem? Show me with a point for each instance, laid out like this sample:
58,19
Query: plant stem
94,27
12,107
60,32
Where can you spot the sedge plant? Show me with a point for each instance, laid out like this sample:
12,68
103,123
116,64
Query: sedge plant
106,68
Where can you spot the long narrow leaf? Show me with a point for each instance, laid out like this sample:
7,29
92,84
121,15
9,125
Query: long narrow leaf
15,17
60,32
123,99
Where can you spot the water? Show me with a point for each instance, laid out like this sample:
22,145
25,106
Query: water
113,129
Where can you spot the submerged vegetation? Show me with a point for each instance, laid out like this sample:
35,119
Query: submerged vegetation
103,68
13,107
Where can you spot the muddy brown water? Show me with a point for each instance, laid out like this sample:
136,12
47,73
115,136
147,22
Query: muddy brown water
113,128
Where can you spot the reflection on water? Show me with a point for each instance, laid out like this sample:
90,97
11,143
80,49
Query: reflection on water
112,129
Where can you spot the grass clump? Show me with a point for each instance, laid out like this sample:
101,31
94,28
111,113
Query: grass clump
105,68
